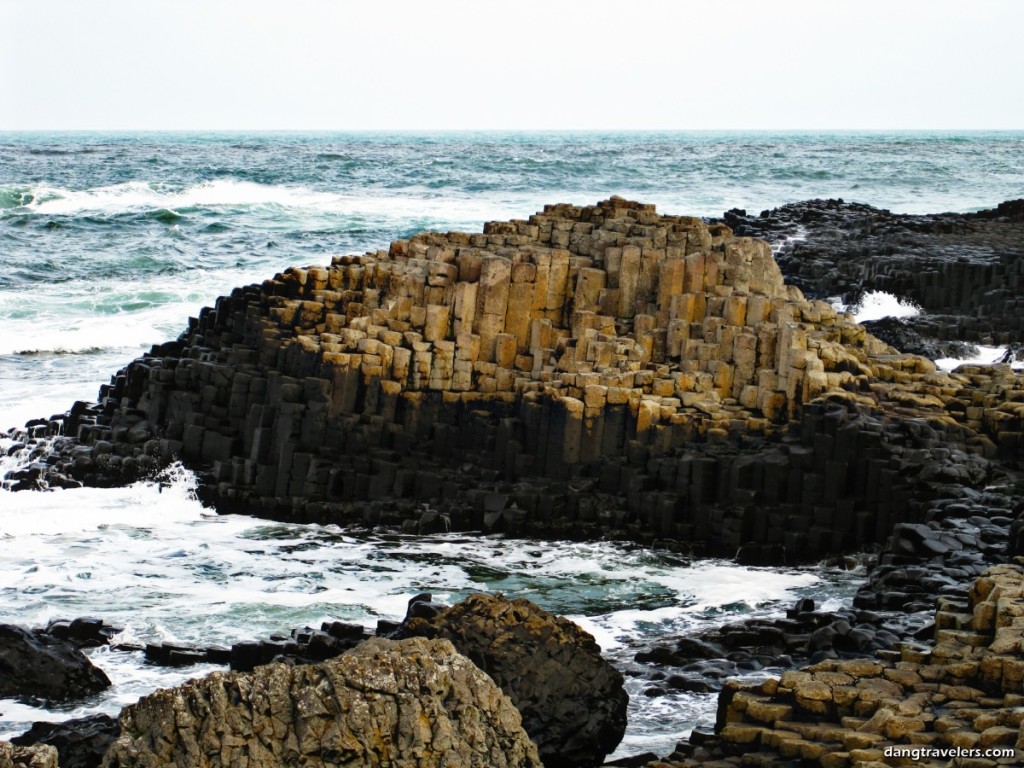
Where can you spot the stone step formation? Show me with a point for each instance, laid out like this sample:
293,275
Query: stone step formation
592,370
957,701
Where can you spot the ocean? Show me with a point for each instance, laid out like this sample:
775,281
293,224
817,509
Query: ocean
109,242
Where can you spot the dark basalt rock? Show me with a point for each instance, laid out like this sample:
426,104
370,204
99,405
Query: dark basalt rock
80,743
911,336
966,271
572,701
34,664
83,632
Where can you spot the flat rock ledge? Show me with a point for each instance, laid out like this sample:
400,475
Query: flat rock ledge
964,694
590,371
413,703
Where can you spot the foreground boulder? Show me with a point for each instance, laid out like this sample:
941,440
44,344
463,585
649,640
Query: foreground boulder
408,704
42,756
36,664
572,701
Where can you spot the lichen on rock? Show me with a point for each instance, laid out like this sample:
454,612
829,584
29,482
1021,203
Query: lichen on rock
572,700
395,704
37,756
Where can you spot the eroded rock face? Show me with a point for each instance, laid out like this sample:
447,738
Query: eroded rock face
572,701
42,756
414,703
36,664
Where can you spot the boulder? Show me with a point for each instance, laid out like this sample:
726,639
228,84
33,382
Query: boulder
80,743
572,701
35,664
27,757
414,703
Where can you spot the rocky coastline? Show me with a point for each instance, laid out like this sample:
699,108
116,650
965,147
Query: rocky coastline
607,371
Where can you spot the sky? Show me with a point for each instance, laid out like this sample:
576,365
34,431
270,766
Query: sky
529,64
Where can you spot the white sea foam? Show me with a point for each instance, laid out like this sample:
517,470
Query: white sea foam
875,305
234,193
150,559
986,356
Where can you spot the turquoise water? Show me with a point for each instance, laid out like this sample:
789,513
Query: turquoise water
108,243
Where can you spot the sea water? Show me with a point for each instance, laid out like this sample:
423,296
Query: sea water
109,242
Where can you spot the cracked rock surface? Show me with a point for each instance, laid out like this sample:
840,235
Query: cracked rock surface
413,703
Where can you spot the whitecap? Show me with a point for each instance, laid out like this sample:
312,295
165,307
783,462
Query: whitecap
141,195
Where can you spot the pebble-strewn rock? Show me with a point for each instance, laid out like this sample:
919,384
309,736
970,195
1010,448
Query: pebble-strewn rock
597,370
35,664
405,704
965,690
572,701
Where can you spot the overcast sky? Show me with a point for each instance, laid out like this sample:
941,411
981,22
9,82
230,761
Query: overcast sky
549,64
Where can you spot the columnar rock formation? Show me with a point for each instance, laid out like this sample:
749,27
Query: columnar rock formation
407,704
657,371
962,697
965,270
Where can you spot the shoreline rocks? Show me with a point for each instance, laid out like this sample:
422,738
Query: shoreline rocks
963,692
964,270
414,703
80,743
590,371
34,664
572,701
609,371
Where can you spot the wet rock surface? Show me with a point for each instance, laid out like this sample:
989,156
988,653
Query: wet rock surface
36,665
572,701
414,703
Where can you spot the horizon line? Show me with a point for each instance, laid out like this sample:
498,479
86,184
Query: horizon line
510,130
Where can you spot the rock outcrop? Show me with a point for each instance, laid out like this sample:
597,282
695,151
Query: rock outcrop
966,271
80,743
34,664
572,701
406,704
42,756
961,697
589,371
